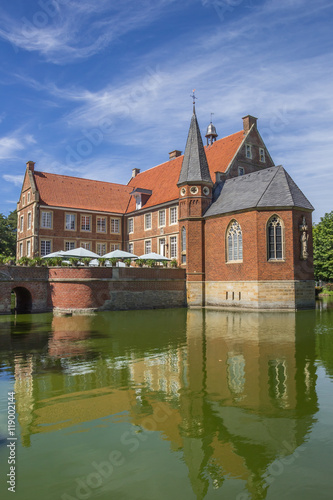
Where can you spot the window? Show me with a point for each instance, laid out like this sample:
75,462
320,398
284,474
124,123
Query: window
130,225
183,240
101,224
69,245
86,245
101,248
28,197
45,247
161,246
173,215
131,247
138,201
161,218
148,221
23,200
173,247
114,246
248,151
147,246
234,242
85,223
275,239
262,155
70,222
28,248
21,249
21,223
241,171
29,220
115,226
46,221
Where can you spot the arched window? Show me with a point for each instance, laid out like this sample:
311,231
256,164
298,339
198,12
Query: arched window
183,245
234,242
275,238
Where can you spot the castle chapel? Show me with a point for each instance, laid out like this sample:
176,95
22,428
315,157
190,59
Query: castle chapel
234,220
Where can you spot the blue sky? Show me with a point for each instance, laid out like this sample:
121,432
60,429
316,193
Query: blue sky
94,89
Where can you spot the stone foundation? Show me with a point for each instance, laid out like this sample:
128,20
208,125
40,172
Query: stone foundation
281,295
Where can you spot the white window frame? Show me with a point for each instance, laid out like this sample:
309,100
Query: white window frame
70,244
99,226
114,246
248,151
262,156
147,228
28,248
28,197
47,222
99,250
86,245
41,244
160,212
29,220
115,226
81,223
23,200
173,210
21,249
130,225
70,215
21,223
146,243
172,247
130,247
165,245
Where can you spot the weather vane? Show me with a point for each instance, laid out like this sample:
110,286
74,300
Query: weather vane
194,98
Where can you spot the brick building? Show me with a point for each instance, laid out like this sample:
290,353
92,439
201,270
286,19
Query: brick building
237,223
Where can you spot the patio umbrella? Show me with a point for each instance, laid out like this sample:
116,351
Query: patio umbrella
120,254
53,254
80,253
153,256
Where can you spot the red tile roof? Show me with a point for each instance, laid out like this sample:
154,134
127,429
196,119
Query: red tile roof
74,192
162,180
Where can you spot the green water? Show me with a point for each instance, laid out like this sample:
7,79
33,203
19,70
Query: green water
169,404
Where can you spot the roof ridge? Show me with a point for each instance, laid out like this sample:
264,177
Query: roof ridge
81,178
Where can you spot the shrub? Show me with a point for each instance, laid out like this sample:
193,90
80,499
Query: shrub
74,261
10,261
2,259
151,263
32,263
102,261
174,263
165,263
39,261
329,287
140,262
114,261
86,261
127,262
23,261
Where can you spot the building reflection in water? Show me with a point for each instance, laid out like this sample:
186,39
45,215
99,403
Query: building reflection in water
237,389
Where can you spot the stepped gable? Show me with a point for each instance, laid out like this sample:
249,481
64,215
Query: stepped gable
74,192
269,188
195,166
162,179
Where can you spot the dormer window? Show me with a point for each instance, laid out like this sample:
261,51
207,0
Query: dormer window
141,196
262,155
248,151
138,202
241,171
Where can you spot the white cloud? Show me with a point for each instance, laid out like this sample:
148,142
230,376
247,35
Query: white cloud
17,180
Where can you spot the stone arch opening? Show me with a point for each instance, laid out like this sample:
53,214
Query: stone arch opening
21,300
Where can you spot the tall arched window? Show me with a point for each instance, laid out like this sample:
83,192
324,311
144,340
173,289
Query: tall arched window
234,242
275,238
183,245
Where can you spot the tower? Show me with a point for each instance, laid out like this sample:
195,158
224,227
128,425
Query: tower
195,196
211,133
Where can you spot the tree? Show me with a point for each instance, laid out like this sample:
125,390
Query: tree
8,230
323,248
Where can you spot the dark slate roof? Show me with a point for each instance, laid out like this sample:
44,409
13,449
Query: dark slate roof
195,166
271,187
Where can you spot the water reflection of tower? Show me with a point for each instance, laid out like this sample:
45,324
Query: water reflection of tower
242,408
23,388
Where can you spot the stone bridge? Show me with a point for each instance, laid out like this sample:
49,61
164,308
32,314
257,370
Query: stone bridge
84,289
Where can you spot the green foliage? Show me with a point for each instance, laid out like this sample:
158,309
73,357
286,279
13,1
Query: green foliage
174,263
86,261
140,262
39,261
165,263
114,261
74,261
329,287
23,261
8,227
323,248
127,262
101,261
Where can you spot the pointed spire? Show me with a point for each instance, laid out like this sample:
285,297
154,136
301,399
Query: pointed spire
195,167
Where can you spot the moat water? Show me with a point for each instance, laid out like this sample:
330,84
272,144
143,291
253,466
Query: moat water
169,404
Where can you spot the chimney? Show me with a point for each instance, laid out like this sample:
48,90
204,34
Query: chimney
31,165
174,154
248,121
135,172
